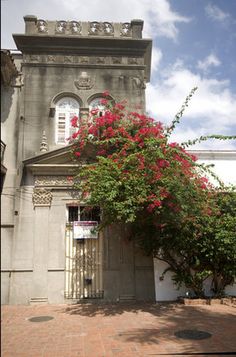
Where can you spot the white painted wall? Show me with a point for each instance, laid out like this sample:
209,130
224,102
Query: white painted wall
225,168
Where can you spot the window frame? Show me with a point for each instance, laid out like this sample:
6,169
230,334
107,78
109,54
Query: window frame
68,112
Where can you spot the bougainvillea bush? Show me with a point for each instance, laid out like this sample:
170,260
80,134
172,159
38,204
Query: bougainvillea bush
129,168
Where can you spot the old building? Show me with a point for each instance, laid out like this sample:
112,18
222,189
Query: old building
61,70
65,66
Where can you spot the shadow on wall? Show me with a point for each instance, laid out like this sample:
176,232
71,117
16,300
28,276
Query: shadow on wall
6,102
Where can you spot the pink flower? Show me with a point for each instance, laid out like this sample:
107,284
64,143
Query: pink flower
119,106
94,111
103,101
74,121
163,163
150,207
157,203
77,153
106,93
74,135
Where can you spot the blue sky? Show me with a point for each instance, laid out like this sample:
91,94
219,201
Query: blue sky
194,44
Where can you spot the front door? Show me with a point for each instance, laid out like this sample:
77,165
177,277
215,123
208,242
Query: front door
83,262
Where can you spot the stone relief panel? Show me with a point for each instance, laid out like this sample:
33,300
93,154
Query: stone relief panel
61,27
51,58
108,28
138,83
132,60
101,28
41,197
131,82
125,30
42,26
55,181
84,59
94,28
75,28
68,59
84,81
100,60
34,58
88,60
117,60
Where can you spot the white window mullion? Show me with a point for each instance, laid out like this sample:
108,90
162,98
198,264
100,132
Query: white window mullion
65,111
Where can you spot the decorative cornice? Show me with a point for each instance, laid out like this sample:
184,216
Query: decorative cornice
82,60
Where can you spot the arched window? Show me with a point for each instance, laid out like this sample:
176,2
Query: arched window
66,109
96,104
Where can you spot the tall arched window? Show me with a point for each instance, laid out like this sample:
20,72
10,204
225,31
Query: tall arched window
66,109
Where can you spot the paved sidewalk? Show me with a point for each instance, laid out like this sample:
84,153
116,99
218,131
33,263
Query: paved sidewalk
116,330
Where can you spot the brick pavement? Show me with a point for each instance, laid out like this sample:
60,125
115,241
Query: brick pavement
116,330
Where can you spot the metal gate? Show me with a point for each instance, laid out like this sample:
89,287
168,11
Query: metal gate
83,267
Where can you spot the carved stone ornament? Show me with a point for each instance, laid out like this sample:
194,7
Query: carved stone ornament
108,29
125,29
61,27
75,27
42,197
68,59
94,28
44,143
84,60
84,81
132,60
138,83
52,181
42,26
100,60
34,58
116,60
51,58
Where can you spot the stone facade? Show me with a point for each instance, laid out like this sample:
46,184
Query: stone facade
77,61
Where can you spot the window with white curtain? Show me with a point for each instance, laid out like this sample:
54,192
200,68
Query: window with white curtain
66,109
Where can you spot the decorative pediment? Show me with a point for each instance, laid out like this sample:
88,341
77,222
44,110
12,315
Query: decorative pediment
57,162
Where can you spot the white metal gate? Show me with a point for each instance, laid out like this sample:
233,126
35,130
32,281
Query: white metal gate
83,267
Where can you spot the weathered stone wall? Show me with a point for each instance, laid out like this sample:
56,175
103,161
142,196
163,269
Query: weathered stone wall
43,84
58,62
10,117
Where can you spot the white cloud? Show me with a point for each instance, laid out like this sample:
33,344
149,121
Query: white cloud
210,61
156,58
212,109
215,13
159,18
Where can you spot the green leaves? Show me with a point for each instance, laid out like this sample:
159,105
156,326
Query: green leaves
137,177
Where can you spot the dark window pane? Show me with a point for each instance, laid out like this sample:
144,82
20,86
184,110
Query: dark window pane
73,213
89,213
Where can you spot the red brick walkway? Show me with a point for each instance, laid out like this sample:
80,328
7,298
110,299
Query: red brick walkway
127,330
